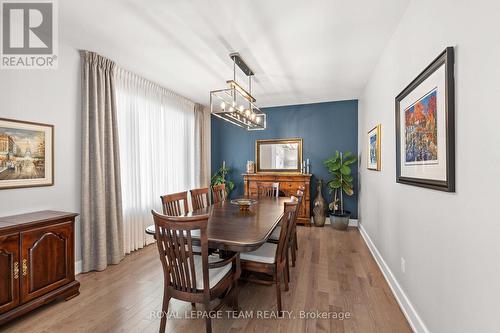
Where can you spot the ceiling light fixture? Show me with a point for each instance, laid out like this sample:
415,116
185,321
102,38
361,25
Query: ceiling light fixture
241,111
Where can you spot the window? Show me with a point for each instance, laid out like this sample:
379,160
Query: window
157,150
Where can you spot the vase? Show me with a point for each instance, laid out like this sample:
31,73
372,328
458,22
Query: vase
250,167
319,206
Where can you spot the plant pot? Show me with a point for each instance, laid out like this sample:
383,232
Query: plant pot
340,221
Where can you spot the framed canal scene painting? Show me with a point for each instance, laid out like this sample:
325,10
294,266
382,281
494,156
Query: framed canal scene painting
26,154
374,148
425,127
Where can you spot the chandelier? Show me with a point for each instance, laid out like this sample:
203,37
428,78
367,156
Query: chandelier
235,104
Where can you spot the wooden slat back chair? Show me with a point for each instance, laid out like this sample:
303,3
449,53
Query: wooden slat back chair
186,276
293,242
175,204
294,247
200,198
268,189
219,193
271,259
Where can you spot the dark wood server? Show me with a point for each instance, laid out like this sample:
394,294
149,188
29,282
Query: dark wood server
289,184
37,261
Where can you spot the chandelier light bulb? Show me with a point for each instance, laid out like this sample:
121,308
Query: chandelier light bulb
252,116
222,105
247,112
231,109
258,120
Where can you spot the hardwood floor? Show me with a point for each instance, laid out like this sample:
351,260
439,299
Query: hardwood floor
335,273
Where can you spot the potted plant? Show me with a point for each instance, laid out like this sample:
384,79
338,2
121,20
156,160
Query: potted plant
220,178
339,166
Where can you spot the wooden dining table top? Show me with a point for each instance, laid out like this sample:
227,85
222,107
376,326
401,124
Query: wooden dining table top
231,229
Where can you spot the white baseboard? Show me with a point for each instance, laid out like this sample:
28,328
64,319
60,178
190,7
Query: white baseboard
409,311
352,222
78,267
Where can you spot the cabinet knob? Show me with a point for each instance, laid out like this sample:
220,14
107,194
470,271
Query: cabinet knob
25,267
16,270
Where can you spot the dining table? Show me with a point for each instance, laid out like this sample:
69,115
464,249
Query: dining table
232,229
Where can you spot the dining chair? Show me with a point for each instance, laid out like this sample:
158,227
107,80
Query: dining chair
272,259
189,277
175,204
200,198
274,237
300,193
219,193
294,247
268,189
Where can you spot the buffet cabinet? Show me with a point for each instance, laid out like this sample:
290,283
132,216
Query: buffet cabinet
37,263
289,184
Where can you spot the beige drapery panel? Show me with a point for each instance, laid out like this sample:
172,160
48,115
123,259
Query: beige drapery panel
101,211
202,145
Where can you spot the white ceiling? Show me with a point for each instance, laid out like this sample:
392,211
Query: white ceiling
300,51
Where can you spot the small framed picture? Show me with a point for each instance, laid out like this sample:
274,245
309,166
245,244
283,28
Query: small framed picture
425,127
26,154
374,148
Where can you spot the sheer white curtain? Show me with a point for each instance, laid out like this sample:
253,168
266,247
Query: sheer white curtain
158,150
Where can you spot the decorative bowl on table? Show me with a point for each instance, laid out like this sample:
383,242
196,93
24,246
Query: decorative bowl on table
244,203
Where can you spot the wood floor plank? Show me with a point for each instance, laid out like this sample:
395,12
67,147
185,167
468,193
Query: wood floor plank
335,273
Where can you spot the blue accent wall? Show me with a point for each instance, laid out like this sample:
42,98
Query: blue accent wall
324,128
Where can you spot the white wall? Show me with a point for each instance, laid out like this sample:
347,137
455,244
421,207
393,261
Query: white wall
451,242
52,97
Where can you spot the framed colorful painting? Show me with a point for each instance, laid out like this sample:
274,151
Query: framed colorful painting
26,154
425,127
374,148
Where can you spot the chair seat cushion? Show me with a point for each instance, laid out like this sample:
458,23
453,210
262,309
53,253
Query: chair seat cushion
265,254
215,274
275,235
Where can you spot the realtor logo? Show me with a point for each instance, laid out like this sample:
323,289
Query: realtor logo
29,34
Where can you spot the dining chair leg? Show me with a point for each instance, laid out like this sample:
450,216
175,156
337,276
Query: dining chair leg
278,291
293,248
164,310
235,295
295,239
287,274
208,322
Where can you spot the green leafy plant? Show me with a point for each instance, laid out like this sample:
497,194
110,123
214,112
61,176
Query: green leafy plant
220,177
339,167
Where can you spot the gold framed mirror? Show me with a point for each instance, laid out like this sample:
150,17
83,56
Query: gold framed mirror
279,155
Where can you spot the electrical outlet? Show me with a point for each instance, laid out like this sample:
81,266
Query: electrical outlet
403,265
